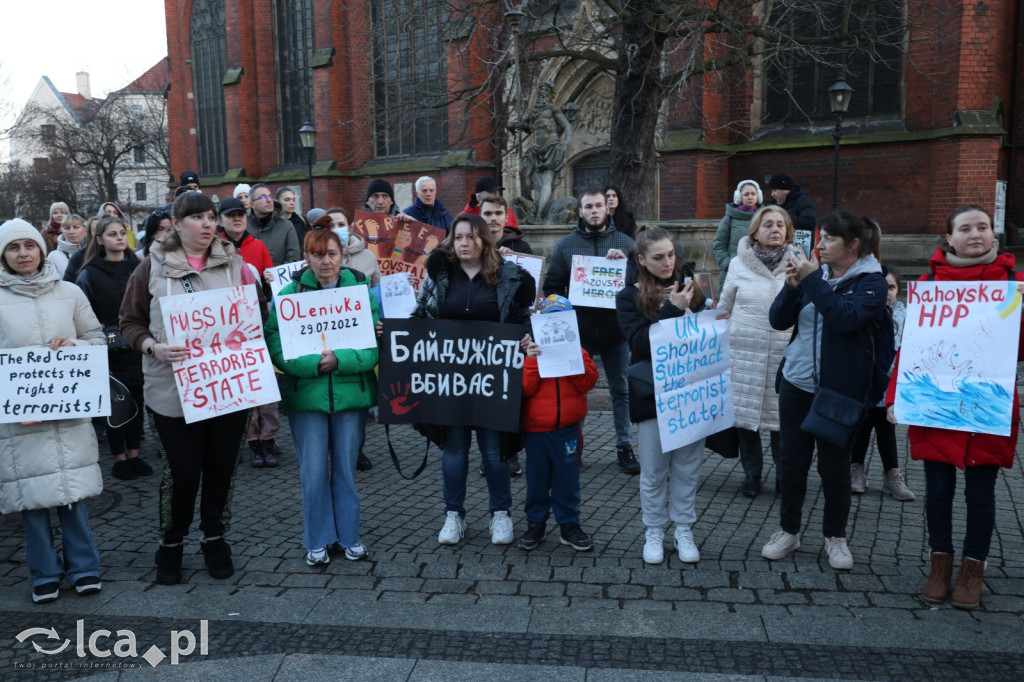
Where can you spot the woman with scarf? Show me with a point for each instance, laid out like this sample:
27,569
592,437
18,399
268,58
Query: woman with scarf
747,198
756,276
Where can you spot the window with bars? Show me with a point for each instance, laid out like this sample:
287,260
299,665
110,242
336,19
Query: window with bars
293,35
410,77
209,62
797,85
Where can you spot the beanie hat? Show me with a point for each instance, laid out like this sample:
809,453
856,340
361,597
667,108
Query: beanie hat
242,188
736,197
188,177
781,181
380,185
313,214
58,204
16,228
554,304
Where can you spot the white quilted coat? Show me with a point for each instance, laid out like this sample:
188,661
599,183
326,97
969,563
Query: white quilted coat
49,463
755,347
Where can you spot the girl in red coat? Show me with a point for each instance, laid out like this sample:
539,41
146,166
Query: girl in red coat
970,255
552,411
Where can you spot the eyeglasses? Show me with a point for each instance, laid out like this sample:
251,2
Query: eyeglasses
264,197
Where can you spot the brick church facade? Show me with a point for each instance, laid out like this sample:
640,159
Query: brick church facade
931,129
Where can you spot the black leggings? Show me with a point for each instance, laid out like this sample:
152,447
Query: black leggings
129,436
885,438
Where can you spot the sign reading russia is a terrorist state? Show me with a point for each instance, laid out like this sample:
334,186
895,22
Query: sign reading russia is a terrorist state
451,373
228,368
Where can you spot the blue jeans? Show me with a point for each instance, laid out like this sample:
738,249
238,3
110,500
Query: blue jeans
615,358
980,494
455,468
330,502
81,558
553,475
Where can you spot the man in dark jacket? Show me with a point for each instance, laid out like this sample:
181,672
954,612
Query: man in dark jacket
427,208
267,225
800,206
595,235
494,210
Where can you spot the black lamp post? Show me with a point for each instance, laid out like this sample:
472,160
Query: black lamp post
839,102
307,136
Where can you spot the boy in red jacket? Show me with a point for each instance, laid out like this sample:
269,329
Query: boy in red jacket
552,411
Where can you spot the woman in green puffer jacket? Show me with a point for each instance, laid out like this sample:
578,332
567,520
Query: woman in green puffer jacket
327,397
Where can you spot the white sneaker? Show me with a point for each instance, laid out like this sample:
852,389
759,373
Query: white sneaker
688,552
780,544
654,545
356,553
453,530
501,528
838,553
317,557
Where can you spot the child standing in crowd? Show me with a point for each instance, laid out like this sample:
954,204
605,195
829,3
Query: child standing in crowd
875,418
553,410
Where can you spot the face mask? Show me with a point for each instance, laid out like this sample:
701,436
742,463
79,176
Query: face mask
342,233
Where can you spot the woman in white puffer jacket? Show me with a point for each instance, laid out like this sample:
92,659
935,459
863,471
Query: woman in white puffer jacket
45,464
756,275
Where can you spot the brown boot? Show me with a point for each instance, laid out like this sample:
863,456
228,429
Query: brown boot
967,593
937,588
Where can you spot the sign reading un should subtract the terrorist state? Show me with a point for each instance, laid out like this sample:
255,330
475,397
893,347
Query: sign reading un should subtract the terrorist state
958,358
595,281
40,384
692,380
451,373
228,368
327,319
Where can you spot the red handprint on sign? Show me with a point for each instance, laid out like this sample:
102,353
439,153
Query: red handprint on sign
398,399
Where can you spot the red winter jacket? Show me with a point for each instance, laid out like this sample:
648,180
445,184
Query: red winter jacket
555,403
960,447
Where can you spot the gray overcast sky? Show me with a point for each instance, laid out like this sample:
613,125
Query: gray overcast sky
114,40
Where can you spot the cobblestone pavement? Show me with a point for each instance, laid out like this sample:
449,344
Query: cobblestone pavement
420,611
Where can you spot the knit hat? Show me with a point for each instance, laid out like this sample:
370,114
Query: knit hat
781,181
58,204
313,214
554,304
16,228
240,189
380,185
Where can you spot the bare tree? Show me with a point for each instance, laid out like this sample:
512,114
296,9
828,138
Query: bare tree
102,142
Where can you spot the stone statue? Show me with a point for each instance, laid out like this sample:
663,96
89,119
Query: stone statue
543,163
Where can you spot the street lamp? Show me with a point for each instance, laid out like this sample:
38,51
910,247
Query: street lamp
307,136
838,102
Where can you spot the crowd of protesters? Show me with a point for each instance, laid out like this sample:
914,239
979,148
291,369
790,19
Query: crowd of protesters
801,325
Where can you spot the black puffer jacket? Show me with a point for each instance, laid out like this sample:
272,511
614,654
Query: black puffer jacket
104,283
801,208
516,290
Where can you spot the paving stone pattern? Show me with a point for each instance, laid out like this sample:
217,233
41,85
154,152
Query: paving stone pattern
601,609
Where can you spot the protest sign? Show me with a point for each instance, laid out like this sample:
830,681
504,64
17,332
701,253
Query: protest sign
326,319
692,380
398,298
228,368
40,384
595,281
532,264
399,246
955,371
558,335
283,274
451,373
